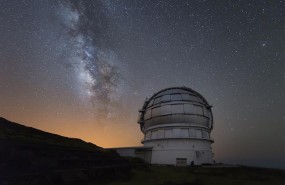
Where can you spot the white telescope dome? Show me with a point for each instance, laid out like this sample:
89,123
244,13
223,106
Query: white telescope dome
176,105
177,123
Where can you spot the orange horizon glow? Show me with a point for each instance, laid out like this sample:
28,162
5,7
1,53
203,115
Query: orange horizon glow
106,134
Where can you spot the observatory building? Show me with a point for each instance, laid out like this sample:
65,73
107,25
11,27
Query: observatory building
176,123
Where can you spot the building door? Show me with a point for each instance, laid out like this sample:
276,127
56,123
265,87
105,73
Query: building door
181,161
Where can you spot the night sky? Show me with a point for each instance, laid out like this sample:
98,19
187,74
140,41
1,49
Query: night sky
84,68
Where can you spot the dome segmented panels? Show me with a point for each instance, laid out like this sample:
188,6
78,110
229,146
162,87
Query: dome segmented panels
176,105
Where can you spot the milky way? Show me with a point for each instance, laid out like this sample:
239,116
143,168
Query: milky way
95,64
67,65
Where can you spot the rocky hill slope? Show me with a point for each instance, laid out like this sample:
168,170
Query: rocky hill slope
31,156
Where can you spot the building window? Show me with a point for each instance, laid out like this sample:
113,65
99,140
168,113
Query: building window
147,114
160,134
177,109
176,132
181,161
176,97
185,132
148,135
205,134
157,100
193,109
168,133
165,109
192,133
165,98
186,97
198,133
206,112
156,111
154,134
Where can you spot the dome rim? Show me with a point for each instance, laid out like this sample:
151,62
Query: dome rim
141,120
169,88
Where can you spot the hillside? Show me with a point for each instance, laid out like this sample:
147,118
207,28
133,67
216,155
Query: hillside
14,132
31,156
204,175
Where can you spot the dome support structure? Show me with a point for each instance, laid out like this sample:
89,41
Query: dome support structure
176,123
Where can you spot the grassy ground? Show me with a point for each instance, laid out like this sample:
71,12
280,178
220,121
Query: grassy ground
168,175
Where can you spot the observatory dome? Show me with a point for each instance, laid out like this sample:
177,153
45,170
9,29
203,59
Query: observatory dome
176,123
176,106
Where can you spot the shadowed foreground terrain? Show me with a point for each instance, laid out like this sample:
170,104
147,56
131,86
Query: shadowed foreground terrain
170,175
30,156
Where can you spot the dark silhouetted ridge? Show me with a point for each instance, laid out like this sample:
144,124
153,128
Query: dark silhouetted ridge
31,156
14,132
